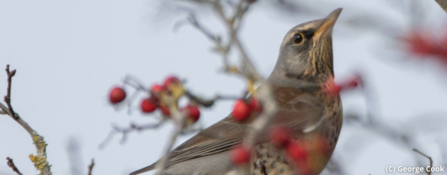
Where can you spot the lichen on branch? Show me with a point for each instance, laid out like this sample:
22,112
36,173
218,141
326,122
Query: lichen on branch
39,160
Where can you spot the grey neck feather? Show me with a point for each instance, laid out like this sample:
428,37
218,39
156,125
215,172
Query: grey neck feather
278,77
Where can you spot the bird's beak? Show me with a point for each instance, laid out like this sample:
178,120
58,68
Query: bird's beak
328,24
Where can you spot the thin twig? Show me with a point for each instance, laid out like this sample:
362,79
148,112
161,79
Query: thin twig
180,118
90,167
264,92
233,27
12,166
138,86
8,92
125,131
223,49
165,159
208,102
192,19
377,126
428,157
39,160
131,81
74,152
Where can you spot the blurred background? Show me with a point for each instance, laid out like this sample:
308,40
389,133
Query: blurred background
68,54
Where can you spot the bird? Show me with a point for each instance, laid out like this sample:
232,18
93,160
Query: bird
303,68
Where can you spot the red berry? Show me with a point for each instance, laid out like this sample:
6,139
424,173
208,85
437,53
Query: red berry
331,88
443,48
336,89
156,89
255,104
165,110
148,105
241,111
171,80
443,52
297,151
353,83
193,112
420,44
240,155
117,94
444,40
280,136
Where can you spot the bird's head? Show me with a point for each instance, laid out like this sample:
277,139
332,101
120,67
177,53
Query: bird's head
306,51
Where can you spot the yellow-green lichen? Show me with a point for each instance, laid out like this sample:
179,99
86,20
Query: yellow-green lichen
39,142
39,162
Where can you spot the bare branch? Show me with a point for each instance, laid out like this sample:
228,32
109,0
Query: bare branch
90,167
125,131
133,82
429,158
232,25
180,118
208,102
139,87
443,4
39,160
13,167
264,92
8,92
192,19
74,156
224,49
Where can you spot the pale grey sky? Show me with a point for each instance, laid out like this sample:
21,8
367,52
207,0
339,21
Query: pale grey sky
68,54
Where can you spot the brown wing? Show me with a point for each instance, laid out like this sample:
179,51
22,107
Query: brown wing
215,139
296,110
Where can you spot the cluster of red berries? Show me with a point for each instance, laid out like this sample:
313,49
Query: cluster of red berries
153,102
243,108
298,151
333,89
421,44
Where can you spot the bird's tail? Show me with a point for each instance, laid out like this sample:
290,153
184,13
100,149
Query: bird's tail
145,169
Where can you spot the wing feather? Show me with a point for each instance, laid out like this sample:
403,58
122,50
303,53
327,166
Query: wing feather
226,133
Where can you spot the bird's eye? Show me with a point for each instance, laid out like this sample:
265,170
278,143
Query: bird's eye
298,38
